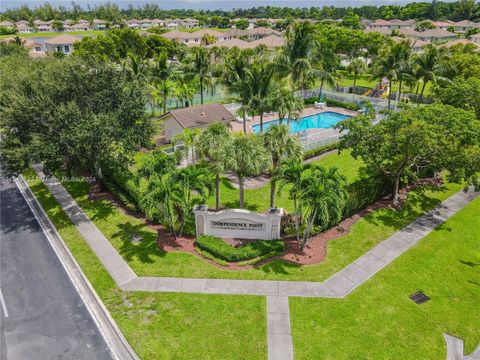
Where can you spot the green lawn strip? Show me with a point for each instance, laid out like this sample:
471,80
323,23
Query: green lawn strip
379,321
146,259
168,325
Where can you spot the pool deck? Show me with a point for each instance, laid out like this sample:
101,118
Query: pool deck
318,133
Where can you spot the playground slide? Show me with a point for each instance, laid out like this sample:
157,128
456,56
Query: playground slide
367,93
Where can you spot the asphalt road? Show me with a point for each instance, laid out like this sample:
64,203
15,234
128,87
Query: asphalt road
42,315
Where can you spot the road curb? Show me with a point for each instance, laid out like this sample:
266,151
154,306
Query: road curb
118,345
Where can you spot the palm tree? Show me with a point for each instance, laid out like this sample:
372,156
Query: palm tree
215,147
199,66
250,158
209,39
233,78
296,57
188,180
158,198
189,138
162,91
280,144
326,74
185,92
324,194
357,67
290,172
285,103
258,81
429,66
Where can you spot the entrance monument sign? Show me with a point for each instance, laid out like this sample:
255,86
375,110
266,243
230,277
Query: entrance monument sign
238,223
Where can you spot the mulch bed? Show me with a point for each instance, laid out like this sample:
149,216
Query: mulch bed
313,253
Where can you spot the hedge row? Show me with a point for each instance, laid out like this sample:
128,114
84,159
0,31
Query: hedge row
123,187
221,250
319,151
331,102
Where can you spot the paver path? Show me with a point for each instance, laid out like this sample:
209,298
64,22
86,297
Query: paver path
277,292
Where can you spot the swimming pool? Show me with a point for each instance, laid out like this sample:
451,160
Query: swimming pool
324,120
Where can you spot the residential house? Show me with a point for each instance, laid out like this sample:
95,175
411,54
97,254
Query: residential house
35,48
270,41
23,27
194,38
145,23
236,33
7,24
133,24
42,26
158,22
417,44
379,24
435,35
79,27
172,23
261,32
443,25
464,25
62,43
231,43
452,43
194,117
99,24
189,23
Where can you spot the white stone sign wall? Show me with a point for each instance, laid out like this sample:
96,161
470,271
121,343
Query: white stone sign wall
238,223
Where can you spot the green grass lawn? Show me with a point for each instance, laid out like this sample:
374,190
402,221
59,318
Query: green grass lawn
168,325
379,321
147,260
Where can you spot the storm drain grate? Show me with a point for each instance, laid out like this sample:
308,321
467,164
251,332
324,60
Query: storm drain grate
419,297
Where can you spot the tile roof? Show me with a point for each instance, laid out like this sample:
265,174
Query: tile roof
62,39
232,43
437,33
201,115
271,41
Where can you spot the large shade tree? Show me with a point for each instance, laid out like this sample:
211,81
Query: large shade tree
66,113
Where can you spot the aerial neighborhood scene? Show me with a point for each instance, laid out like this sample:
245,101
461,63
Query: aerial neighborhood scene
221,180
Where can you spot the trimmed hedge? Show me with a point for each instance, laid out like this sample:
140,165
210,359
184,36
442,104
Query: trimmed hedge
221,250
331,102
122,185
319,151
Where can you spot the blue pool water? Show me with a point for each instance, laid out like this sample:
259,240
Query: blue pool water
323,120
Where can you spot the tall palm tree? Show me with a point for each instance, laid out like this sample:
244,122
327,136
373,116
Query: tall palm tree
280,144
296,57
430,66
234,79
199,65
326,74
259,80
250,158
185,92
289,173
215,147
162,91
324,194
357,67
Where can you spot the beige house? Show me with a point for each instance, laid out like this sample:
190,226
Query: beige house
7,24
194,38
42,26
62,43
436,35
99,24
194,117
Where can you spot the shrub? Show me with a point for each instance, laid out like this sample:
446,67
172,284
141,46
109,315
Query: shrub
122,185
331,102
221,250
362,193
319,151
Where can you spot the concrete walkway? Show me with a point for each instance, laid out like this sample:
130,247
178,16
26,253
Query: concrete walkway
277,292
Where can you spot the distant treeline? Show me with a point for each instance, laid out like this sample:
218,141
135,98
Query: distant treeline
435,10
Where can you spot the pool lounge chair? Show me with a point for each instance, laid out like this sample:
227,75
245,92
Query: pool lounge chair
320,105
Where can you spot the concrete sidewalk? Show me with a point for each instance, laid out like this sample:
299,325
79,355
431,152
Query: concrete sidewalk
279,339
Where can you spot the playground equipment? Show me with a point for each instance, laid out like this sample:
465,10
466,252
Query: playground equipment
381,91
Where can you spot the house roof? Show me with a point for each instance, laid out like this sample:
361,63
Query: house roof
6,23
41,22
79,26
201,115
26,42
99,21
458,42
464,23
380,22
475,36
409,32
62,39
232,43
175,34
263,31
22,22
236,32
378,30
443,23
271,41
439,33
23,27
402,22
